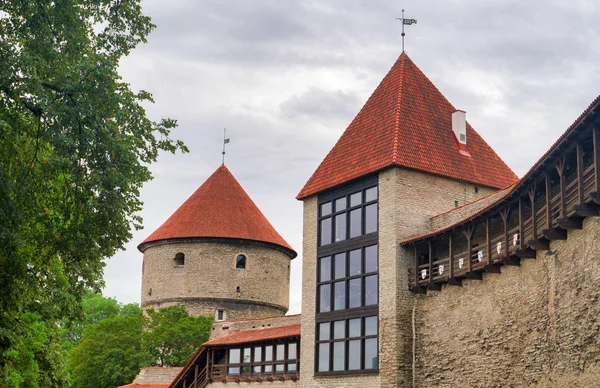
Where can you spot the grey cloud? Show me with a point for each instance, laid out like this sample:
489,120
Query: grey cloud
322,104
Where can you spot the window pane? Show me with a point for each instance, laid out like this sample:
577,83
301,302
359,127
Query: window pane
371,194
339,329
324,357
246,370
338,355
256,370
324,331
247,353
240,262
326,231
291,367
340,227
325,298
325,263
355,262
371,325
354,355
234,356
280,352
234,370
269,353
371,353
292,350
355,199
268,368
371,218
279,368
371,290
355,289
326,209
340,266
340,296
340,204
355,223
371,258
354,327
257,354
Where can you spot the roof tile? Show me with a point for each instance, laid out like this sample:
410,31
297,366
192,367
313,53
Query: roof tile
219,208
407,122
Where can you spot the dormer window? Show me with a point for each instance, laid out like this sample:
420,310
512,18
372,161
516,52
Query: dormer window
459,127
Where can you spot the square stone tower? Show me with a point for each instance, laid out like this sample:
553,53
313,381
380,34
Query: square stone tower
407,156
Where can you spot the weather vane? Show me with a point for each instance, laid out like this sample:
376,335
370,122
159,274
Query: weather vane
405,22
225,141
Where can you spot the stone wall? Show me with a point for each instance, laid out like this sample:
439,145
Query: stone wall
533,325
157,375
268,384
208,279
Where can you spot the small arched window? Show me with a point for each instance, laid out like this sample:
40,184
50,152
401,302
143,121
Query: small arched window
240,262
179,259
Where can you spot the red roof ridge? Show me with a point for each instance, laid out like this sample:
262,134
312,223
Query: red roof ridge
407,122
258,334
219,208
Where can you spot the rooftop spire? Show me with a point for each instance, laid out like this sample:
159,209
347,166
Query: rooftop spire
406,22
225,141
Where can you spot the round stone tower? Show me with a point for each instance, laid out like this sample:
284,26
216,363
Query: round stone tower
218,255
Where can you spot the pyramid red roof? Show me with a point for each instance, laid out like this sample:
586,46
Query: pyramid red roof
219,208
407,122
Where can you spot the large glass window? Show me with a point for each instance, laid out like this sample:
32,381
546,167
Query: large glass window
347,280
349,216
348,345
263,359
354,281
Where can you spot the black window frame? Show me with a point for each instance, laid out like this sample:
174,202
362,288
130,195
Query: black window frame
346,246
252,364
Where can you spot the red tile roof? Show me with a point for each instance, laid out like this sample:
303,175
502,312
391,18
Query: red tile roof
407,122
500,196
246,336
136,385
219,208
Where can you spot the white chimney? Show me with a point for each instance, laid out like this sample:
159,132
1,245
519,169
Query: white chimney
459,126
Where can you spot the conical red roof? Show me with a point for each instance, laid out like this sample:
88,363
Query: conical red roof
219,208
407,122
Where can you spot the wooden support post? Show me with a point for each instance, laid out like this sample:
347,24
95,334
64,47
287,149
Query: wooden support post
521,234
595,194
551,233
596,138
488,240
548,202
468,232
417,289
580,197
430,284
430,270
531,193
196,376
451,280
560,168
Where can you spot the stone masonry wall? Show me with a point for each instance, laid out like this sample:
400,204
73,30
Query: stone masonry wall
208,280
537,325
422,196
265,384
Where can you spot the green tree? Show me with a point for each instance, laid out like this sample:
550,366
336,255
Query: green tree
110,353
75,146
172,335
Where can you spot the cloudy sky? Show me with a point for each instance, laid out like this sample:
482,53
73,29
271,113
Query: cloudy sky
287,77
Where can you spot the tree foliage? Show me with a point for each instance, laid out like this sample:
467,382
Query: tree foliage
110,352
172,335
75,145
116,344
